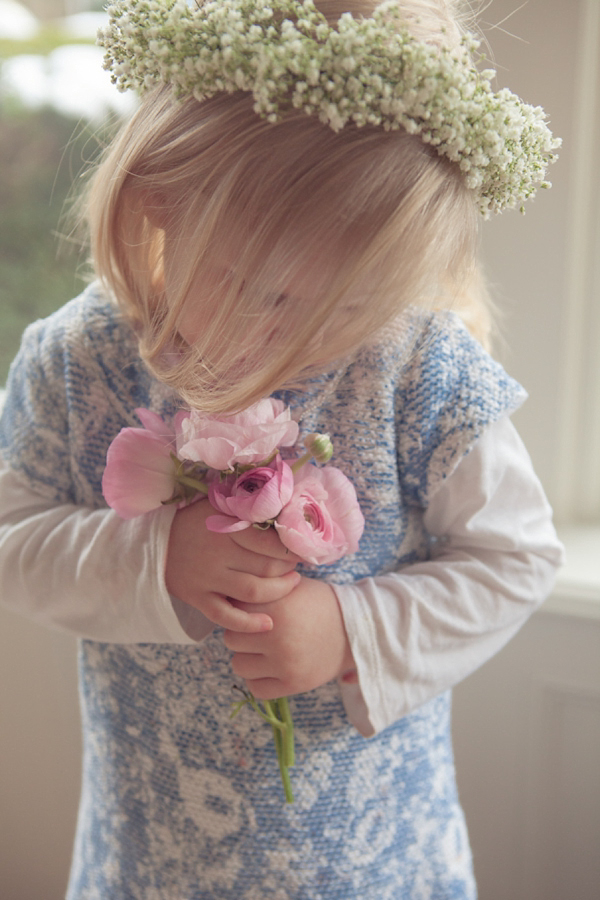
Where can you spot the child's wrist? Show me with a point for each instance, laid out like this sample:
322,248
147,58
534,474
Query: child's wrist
347,672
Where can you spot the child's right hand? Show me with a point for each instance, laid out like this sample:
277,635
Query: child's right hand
205,569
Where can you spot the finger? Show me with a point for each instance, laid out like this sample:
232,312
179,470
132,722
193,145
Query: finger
260,565
265,542
250,589
224,613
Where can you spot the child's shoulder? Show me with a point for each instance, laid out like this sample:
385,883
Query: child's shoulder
435,349
441,389
87,339
75,382
417,337
440,375
91,320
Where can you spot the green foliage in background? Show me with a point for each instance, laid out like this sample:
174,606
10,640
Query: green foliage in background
42,155
48,38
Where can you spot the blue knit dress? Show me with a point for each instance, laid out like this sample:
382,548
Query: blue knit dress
179,801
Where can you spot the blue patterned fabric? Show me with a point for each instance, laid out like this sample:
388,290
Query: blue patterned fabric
179,801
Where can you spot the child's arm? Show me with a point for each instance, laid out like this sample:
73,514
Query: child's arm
91,573
415,633
420,631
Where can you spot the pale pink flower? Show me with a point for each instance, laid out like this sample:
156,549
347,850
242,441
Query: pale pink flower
254,497
243,438
140,473
322,521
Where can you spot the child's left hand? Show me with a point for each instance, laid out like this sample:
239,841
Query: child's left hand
306,647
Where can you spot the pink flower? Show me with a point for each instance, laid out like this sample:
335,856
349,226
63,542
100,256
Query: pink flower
247,437
140,473
322,522
256,496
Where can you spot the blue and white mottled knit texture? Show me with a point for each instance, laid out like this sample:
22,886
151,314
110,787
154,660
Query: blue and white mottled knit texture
179,801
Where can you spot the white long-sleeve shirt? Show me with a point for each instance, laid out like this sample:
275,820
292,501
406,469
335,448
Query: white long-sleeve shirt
413,633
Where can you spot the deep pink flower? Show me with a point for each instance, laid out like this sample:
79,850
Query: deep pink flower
256,496
322,521
247,437
140,473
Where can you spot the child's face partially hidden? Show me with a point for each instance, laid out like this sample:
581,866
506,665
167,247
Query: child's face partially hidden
285,303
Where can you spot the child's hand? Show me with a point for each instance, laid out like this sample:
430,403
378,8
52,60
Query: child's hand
306,648
209,571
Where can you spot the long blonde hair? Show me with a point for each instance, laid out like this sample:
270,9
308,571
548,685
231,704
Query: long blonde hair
386,221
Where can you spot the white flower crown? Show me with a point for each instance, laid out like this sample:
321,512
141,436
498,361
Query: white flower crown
367,71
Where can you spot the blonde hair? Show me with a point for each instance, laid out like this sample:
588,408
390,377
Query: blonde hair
377,218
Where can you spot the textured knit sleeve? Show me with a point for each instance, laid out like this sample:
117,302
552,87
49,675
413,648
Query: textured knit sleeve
34,423
448,394
74,384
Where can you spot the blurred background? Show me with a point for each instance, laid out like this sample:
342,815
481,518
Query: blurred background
527,725
57,107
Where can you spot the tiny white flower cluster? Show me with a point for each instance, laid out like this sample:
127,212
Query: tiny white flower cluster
367,71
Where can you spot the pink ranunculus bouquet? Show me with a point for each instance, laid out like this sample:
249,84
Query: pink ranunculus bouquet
322,520
139,474
236,461
256,496
241,439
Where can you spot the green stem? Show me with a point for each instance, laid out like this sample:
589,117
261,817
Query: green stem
277,714
281,735
188,481
270,714
306,457
283,769
285,715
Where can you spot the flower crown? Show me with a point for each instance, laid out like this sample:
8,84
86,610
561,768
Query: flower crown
365,71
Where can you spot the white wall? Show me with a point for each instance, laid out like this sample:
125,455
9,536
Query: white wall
39,759
544,265
527,745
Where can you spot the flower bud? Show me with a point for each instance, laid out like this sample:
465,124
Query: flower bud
320,446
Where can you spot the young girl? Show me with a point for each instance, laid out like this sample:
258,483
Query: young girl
293,211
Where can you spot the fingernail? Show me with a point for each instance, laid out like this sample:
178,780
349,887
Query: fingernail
266,624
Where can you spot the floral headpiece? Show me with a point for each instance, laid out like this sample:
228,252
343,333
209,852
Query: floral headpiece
366,71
